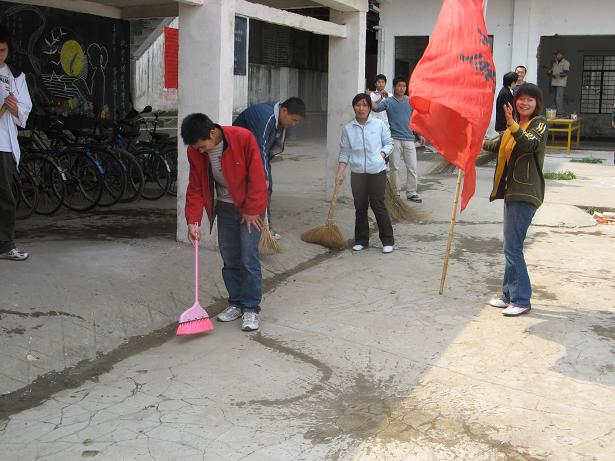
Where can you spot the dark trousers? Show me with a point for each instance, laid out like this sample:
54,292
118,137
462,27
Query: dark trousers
242,264
7,202
368,190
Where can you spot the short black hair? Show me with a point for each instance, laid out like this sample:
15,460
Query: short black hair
380,77
531,90
523,67
5,36
294,106
362,97
196,126
509,78
397,80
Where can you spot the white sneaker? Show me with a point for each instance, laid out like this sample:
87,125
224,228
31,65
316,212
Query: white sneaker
15,255
358,247
498,302
514,311
250,321
387,249
229,314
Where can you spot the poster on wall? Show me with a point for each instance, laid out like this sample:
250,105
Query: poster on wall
74,63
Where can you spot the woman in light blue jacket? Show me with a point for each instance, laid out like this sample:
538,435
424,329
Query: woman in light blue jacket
365,147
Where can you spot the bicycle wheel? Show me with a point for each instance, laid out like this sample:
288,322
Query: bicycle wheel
169,153
49,181
114,178
135,180
25,193
84,180
156,171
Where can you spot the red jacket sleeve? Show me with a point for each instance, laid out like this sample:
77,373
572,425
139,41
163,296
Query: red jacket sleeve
194,195
256,198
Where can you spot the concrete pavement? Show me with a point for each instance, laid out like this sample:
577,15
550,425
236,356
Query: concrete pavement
358,357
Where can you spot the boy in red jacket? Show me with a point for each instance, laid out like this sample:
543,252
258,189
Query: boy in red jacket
227,179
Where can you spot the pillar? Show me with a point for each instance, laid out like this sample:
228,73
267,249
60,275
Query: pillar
346,79
206,46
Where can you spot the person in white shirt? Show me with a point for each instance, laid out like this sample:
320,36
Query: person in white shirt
378,96
559,79
16,106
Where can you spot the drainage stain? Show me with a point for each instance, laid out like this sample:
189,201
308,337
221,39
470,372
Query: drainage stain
39,314
605,332
282,348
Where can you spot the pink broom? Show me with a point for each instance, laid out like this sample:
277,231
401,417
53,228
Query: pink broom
194,320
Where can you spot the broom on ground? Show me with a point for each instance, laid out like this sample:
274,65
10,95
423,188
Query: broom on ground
398,210
267,245
328,235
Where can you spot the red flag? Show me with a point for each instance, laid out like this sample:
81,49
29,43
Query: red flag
171,52
452,87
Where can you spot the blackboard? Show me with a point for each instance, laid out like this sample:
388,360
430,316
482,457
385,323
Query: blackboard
74,63
241,45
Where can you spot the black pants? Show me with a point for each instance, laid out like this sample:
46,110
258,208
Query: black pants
368,190
7,202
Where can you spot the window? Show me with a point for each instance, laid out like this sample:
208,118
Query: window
598,94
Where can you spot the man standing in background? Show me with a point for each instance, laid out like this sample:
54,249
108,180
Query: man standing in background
378,96
521,72
559,79
15,109
399,111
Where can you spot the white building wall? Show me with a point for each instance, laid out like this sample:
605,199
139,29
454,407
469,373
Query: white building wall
517,26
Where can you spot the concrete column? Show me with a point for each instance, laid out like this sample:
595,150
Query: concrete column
346,79
520,52
206,46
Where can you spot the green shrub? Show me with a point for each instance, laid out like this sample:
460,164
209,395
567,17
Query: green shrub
562,175
587,160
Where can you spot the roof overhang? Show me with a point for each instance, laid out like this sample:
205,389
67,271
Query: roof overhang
131,9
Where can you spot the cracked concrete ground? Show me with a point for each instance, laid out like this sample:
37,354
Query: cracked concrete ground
358,357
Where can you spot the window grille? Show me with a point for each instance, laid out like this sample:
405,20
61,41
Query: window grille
598,93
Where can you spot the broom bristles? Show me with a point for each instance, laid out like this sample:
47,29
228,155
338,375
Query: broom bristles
398,210
267,245
329,236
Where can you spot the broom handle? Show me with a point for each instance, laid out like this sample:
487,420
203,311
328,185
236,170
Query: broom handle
196,269
333,201
451,231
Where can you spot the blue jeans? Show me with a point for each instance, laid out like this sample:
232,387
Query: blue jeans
242,264
516,288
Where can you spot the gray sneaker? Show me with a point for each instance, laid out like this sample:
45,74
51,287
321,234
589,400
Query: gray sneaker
14,255
416,198
250,321
229,314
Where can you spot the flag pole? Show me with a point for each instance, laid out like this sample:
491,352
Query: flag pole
451,229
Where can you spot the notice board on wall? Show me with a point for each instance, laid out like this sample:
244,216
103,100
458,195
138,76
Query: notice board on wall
241,45
74,63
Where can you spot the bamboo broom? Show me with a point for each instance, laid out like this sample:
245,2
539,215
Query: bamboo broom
329,235
267,245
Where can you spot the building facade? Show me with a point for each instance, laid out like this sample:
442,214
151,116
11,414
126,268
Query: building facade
524,32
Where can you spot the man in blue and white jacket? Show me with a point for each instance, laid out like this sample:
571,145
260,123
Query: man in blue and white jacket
268,122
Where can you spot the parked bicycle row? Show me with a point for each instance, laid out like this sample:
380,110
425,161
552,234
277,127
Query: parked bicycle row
81,163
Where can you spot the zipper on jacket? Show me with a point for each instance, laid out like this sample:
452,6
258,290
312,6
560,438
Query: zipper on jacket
364,151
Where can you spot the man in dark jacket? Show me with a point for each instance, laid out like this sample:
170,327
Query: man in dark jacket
504,97
268,122
227,160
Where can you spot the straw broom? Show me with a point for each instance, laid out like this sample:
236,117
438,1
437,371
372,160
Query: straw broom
329,235
398,210
267,245
443,166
